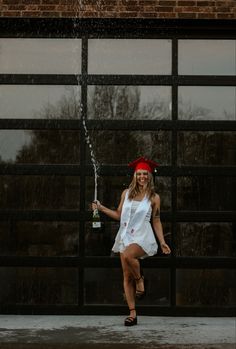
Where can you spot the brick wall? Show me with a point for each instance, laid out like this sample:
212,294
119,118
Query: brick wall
216,9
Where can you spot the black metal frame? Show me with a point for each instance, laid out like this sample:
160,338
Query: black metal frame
118,28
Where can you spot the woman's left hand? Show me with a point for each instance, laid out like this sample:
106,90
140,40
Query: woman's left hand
165,248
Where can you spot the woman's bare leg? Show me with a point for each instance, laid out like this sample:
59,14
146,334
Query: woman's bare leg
129,285
131,272
130,256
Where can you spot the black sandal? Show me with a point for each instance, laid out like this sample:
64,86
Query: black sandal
141,294
130,320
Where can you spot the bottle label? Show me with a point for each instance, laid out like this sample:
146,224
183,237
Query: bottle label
97,225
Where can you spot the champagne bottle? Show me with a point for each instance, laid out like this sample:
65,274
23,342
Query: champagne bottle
96,222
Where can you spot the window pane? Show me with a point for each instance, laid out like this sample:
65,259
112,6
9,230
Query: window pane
206,287
111,187
207,148
207,57
207,103
39,192
39,238
39,102
206,193
129,56
38,286
95,279
129,102
36,146
125,145
40,56
99,242
206,239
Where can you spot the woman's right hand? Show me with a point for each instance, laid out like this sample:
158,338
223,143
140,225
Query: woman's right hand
95,205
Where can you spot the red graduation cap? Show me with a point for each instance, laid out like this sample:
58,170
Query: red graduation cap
143,164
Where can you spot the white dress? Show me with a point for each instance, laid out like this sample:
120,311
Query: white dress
139,232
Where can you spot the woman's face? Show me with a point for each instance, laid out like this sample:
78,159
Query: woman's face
142,177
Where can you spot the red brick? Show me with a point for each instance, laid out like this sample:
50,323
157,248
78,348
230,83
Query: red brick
225,15
108,14
48,2
167,3
186,9
164,9
13,2
131,8
150,15
222,9
33,2
187,15
206,15
186,3
15,7
31,14
47,8
128,14
148,3
31,8
205,3
166,15
128,3
50,14
11,13
87,14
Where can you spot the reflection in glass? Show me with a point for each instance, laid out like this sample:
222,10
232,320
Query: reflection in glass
206,193
38,285
158,287
100,242
207,57
39,192
103,286
207,148
39,102
36,146
206,239
120,147
39,238
7,240
110,189
205,287
112,292
207,103
129,102
40,56
129,56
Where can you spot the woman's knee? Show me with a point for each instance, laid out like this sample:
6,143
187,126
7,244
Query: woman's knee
127,257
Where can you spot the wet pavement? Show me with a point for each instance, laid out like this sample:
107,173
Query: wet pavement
88,332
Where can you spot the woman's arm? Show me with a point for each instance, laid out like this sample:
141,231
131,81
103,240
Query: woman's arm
157,226
115,214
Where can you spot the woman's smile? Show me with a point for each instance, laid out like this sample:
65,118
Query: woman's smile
142,177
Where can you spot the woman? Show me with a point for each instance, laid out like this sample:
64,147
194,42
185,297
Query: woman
135,239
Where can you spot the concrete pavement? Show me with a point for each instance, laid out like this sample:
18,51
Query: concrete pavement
61,332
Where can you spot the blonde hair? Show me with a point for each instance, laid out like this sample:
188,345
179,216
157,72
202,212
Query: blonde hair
134,187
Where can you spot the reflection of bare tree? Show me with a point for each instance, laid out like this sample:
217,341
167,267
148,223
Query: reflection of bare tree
205,287
188,111
206,148
124,102
205,239
113,102
68,107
